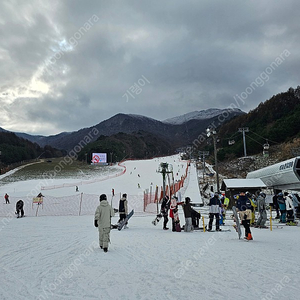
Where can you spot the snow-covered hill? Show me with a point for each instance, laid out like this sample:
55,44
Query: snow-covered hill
199,115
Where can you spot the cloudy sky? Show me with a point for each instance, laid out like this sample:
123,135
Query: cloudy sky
69,64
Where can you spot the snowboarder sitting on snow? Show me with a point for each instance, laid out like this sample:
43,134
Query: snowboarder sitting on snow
243,206
214,211
165,205
187,209
123,209
19,208
261,206
103,215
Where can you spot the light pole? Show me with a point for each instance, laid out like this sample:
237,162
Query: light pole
213,133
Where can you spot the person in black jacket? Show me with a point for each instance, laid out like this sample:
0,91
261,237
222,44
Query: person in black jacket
187,209
165,205
243,205
123,209
19,208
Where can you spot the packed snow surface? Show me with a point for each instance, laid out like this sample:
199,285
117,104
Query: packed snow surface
58,257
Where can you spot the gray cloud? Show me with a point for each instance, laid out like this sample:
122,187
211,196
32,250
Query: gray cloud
68,64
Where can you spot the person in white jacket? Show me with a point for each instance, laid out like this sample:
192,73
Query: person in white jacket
103,215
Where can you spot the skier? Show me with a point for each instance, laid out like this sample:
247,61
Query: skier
123,209
187,209
165,205
282,207
214,211
6,198
261,206
243,206
19,208
289,209
103,215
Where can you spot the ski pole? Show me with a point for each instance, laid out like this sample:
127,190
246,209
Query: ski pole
203,223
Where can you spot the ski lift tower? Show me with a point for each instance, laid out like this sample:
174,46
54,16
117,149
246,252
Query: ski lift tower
165,168
213,133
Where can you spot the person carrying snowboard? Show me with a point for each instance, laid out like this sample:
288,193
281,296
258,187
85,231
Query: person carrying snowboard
261,207
165,205
19,209
243,206
123,209
102,220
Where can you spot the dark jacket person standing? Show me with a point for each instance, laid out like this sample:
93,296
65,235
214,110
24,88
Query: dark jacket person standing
243,206
165,205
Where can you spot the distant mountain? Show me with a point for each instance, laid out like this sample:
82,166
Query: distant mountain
179,134
199,115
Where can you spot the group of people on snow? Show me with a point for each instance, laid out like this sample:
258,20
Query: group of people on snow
287,207
190,215
19,206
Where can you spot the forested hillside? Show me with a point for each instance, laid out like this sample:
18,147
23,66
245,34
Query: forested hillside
273,122
122,145
14,149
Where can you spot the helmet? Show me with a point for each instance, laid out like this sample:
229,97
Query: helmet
280,194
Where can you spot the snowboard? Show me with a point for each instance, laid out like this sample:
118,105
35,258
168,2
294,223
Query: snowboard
121,224
237,221
157,219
